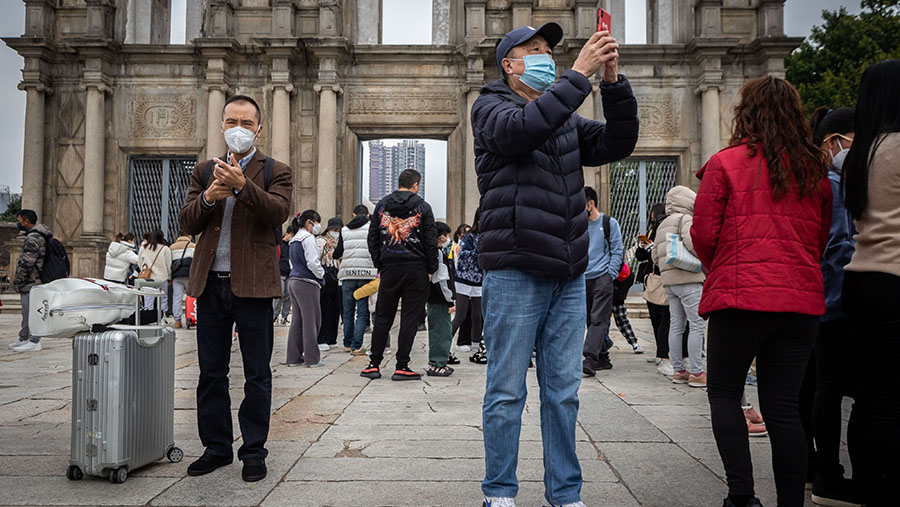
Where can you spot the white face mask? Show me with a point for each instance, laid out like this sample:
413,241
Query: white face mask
317,228
838,160
239,139
334,234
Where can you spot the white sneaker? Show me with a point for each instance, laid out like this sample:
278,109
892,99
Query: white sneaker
652,359
463,348
28,346
495,501
638,349
387,350
576,504
324,346
665,368
15,343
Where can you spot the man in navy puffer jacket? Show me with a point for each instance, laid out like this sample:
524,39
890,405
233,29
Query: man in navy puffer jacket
530,147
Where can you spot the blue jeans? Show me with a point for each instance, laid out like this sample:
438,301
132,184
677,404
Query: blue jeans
522,312
354,329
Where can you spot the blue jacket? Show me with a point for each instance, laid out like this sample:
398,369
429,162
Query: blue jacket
467,269
529,158
838,251
604,257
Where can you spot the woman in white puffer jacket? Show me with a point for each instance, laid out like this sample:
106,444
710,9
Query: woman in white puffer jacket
119,258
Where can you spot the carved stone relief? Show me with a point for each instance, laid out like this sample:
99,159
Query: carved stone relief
416,103
164,116
660,117
71,116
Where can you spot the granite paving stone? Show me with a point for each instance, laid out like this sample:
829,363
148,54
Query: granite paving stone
337,439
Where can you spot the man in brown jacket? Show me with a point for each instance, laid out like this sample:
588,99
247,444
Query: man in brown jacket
235,208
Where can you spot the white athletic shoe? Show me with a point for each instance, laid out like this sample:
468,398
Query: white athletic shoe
463,348
576,504
494,501
15,343
324,346
638,349
665,368
28,346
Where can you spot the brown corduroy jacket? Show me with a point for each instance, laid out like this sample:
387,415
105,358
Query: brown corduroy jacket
254,256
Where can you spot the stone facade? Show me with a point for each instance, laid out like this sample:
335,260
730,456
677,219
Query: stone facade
102,87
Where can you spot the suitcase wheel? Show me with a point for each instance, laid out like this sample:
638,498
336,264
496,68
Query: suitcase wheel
175,455
118,475
73,473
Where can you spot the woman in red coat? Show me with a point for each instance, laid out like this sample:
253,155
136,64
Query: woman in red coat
761,223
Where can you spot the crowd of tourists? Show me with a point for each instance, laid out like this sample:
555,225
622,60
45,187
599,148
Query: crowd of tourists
788,250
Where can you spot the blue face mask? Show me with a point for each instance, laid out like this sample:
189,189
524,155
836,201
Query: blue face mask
540,72
20,227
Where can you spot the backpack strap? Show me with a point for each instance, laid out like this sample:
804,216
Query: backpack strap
268,168
606,226
207,174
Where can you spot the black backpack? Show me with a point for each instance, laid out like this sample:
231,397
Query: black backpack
56,260
268,168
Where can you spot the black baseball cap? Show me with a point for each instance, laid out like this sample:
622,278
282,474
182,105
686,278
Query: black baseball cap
551,32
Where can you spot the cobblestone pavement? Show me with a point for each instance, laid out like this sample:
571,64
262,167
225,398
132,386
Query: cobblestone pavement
341,440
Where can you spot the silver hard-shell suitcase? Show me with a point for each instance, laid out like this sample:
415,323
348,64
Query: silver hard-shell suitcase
123,401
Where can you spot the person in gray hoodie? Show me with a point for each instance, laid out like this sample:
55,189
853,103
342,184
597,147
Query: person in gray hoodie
683,288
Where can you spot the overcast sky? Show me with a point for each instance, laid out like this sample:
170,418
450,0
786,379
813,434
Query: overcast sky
411,21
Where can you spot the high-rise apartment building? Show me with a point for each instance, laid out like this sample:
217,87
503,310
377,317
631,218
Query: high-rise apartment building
387,162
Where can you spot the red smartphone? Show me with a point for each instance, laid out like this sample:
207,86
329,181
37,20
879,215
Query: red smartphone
604,20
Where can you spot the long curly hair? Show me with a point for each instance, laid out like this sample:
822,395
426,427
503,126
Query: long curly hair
770,118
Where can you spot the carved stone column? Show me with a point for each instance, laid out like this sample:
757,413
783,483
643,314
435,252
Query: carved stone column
281,122
94,159
33,156
215,141
196,11
472,197
711,137
326,177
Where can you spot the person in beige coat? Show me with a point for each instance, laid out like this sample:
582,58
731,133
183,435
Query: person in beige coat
683,288
157,256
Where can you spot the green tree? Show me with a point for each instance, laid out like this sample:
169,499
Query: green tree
15,206
827,67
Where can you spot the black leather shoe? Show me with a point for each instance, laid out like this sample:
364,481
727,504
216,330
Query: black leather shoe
208,463
587,368
254,470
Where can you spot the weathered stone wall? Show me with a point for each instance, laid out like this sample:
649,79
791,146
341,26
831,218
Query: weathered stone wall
102,89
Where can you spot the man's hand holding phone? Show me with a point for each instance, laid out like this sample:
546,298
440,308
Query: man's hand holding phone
601,50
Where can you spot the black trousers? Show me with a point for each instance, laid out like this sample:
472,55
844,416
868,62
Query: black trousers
410,285
831,387
659,320
599,312
872,305
781,343
331,312
217,309
468,313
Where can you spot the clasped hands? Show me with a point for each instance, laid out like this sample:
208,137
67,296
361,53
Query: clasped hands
227,179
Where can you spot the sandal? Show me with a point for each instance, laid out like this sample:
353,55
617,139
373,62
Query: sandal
446,371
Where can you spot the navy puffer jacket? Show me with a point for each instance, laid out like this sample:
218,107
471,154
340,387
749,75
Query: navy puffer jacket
529,158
